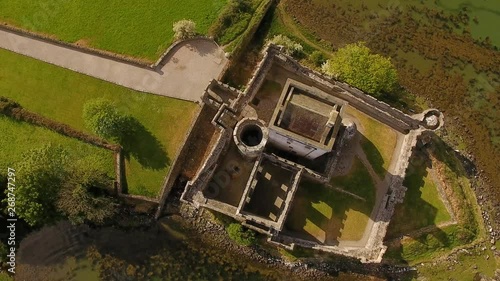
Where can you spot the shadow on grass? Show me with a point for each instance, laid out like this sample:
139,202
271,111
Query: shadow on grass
327,208
140,143
415,218
415,212
374,156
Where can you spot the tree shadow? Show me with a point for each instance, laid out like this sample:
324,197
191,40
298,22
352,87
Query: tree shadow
202,47
142,145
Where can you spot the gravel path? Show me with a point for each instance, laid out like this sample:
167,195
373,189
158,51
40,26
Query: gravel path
185,73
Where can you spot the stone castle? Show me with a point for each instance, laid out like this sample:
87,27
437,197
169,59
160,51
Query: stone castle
288,127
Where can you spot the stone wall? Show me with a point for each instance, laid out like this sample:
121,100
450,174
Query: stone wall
411,127
206,171
249,33
374,248
356,98
256,81
395,196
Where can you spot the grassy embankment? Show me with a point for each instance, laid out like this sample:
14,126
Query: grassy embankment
60,94
141,30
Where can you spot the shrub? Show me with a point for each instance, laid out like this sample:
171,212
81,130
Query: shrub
40,174
17,112
317,58
240,235
232,21
290,47
83,195
184,29
102,118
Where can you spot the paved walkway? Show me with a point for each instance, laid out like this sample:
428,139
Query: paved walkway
186,70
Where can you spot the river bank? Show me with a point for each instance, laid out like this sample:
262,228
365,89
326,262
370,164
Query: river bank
185,244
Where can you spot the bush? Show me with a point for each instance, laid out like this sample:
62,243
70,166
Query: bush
233,21
290,47
40,175
102,118
317,58
356,65
83,196
184,29
240,235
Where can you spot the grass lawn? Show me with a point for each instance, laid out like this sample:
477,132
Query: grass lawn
141,29
422,205
378,141
326,215
60,94
19,137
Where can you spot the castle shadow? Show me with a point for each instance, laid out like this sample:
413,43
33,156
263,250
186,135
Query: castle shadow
373,155
319,213
415,217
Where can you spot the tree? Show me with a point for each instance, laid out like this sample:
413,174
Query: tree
80,205
355,65
184,29
102,118
290,47
83,197
240,235
39,178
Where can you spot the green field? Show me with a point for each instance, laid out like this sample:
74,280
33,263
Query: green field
59,94
18,137
378,141
142,29
326,215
